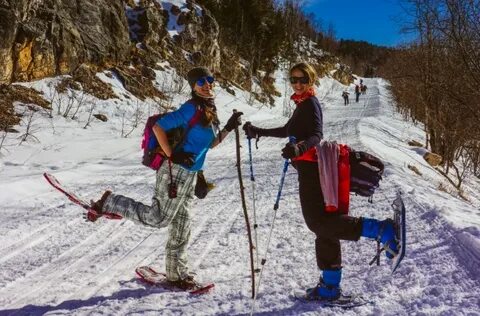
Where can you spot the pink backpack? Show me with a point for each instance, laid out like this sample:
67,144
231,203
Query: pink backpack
153,156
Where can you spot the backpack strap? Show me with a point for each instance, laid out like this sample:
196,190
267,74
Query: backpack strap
194,120
196,117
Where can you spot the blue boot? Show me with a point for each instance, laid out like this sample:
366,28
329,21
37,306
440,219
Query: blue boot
383,231
328,288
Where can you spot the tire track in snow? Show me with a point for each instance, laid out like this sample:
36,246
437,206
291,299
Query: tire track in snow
49,278
25,242
219,222
461,242
43,232
58,266
32,242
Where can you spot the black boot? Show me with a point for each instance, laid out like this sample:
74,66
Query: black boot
187,284
96,210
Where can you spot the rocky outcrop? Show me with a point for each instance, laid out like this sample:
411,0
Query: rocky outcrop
101,117
200,36
432,159
327,64
233,70
196,41
41,38
343,74
147,25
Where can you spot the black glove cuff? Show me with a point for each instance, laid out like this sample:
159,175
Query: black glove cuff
302,148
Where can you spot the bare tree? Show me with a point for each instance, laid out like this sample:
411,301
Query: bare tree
58,102
133,122
172,87
52,96
28,116
91,107
3,136
70,103
81,98
435,80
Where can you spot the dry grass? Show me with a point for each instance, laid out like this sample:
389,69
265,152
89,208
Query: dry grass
414,143
84,78
447,188
92,85
414,169
9,94
138,81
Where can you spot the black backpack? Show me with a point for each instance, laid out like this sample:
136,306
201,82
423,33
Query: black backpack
366,172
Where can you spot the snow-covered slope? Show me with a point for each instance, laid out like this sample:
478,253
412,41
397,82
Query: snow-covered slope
52,262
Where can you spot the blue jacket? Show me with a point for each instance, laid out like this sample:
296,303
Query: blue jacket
198,139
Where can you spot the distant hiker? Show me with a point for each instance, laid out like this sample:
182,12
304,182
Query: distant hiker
306,125
177,176
345,97
364,89
357,92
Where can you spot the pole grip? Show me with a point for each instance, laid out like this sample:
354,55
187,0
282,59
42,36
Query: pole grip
252,177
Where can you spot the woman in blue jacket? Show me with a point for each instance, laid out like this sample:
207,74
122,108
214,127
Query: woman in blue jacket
184,162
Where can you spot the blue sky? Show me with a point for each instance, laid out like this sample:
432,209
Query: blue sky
374,21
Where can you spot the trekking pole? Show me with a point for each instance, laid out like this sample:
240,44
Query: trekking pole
275,208
282,179
244,205
252,179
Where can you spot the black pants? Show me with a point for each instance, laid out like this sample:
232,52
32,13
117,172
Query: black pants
329,228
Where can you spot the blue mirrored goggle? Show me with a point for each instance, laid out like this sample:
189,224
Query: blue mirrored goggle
201,81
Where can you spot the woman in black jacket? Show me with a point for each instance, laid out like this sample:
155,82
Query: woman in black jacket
306,125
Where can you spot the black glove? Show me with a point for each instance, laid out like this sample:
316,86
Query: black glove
183,158
250,130
234,121
292,150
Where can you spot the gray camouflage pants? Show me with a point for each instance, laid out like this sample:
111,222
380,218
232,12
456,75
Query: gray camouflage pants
164,212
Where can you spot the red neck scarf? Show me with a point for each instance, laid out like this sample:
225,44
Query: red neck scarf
299,98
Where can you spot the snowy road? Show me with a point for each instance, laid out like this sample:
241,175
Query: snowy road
52,262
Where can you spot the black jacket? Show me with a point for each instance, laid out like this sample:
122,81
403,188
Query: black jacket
306,124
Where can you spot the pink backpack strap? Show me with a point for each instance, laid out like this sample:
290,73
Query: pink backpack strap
196,117
194,120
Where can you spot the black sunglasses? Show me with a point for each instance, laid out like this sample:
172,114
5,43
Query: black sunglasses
302,80
201,81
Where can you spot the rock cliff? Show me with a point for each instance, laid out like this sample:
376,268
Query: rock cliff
44,38
41,38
